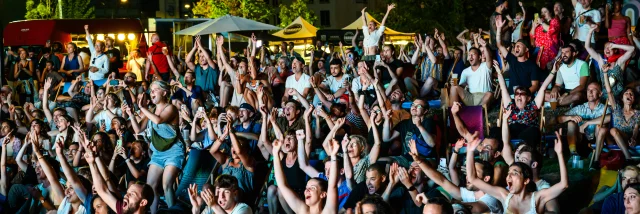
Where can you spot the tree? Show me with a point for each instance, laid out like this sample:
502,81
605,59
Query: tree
78,9
40,9
250,9
297,8
49,9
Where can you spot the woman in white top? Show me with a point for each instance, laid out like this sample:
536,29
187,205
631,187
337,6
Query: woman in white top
136,64
371,34
521,197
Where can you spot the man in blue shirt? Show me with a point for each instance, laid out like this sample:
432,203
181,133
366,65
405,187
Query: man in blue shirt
189,95
248,128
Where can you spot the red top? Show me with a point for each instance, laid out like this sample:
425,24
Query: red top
158,58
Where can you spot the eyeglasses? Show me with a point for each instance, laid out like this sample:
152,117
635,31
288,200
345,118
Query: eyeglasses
416,105
520,94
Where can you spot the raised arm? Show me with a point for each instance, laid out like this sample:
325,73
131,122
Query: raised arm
499,24
506,98
507,152
22,165
433,174
223,58
51,175
441,40
462,129
555,190
387,135
416,54
495,191
622,61
539,99
71,175
384,19
375,149
3,166
607,86
331,205
587,46
99,184
289,195
45,101
453,161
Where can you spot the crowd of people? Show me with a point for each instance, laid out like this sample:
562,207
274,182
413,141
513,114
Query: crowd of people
351,130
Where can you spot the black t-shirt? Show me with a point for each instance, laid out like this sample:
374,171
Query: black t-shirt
113,66
393,65
358,192
521,73
409,131
142,165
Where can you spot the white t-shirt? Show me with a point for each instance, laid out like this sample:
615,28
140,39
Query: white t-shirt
299,85
356,85
583,27
103,116
241,208
570,76
371,39
65,207
479,81
137,69
468,197
333,84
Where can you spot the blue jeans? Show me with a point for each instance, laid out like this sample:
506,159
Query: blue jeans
196,171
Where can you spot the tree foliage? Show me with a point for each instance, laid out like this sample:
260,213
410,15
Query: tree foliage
78,9
48,9
297,8
40,9
250,9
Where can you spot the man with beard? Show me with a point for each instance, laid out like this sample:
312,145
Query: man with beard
470,194
522,71
160,62
331,87
490,148
416,128
585,17
494,33
573,75
206,75
115,60
583,119
299,81
395,103
191,96
137,200
225,199
477,77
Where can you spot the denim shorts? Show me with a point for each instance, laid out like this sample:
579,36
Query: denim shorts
173,156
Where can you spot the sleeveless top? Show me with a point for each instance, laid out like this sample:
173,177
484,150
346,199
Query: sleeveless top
296,178
618,28
162,135
532,209
72,64
244,176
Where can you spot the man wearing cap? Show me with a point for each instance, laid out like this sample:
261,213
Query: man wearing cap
522,71
501,7
190,95
248,128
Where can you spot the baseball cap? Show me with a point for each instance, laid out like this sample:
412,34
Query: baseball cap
247,107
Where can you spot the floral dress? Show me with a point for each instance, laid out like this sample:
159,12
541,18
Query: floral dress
617,87
548,40
621,123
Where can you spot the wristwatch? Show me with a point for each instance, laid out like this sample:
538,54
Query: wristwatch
412,188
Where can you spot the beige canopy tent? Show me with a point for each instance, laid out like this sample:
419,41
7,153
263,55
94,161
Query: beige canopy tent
298,29
390,34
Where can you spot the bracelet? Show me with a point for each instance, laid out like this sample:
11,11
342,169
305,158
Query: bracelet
412,188
457,152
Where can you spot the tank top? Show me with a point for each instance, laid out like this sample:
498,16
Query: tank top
244,176
72,64
618,28
532,209
296,178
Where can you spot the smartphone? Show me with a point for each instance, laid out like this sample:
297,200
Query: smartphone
201,109
114,82
84,76
280,112
377,58
443,162
183,106
119,143
127,98
536,16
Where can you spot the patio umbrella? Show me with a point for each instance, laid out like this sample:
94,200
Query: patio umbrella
227,23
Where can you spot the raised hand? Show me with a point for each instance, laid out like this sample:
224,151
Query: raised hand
422,198
390,7
300,135
520,3
456,107
459,145
413,150
193,196
47,83
339,122
387,114
333,147
393,174
276,146
364,10
473,145
558,142
120,151
403,176
209,198
219,41
307,113
499,23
